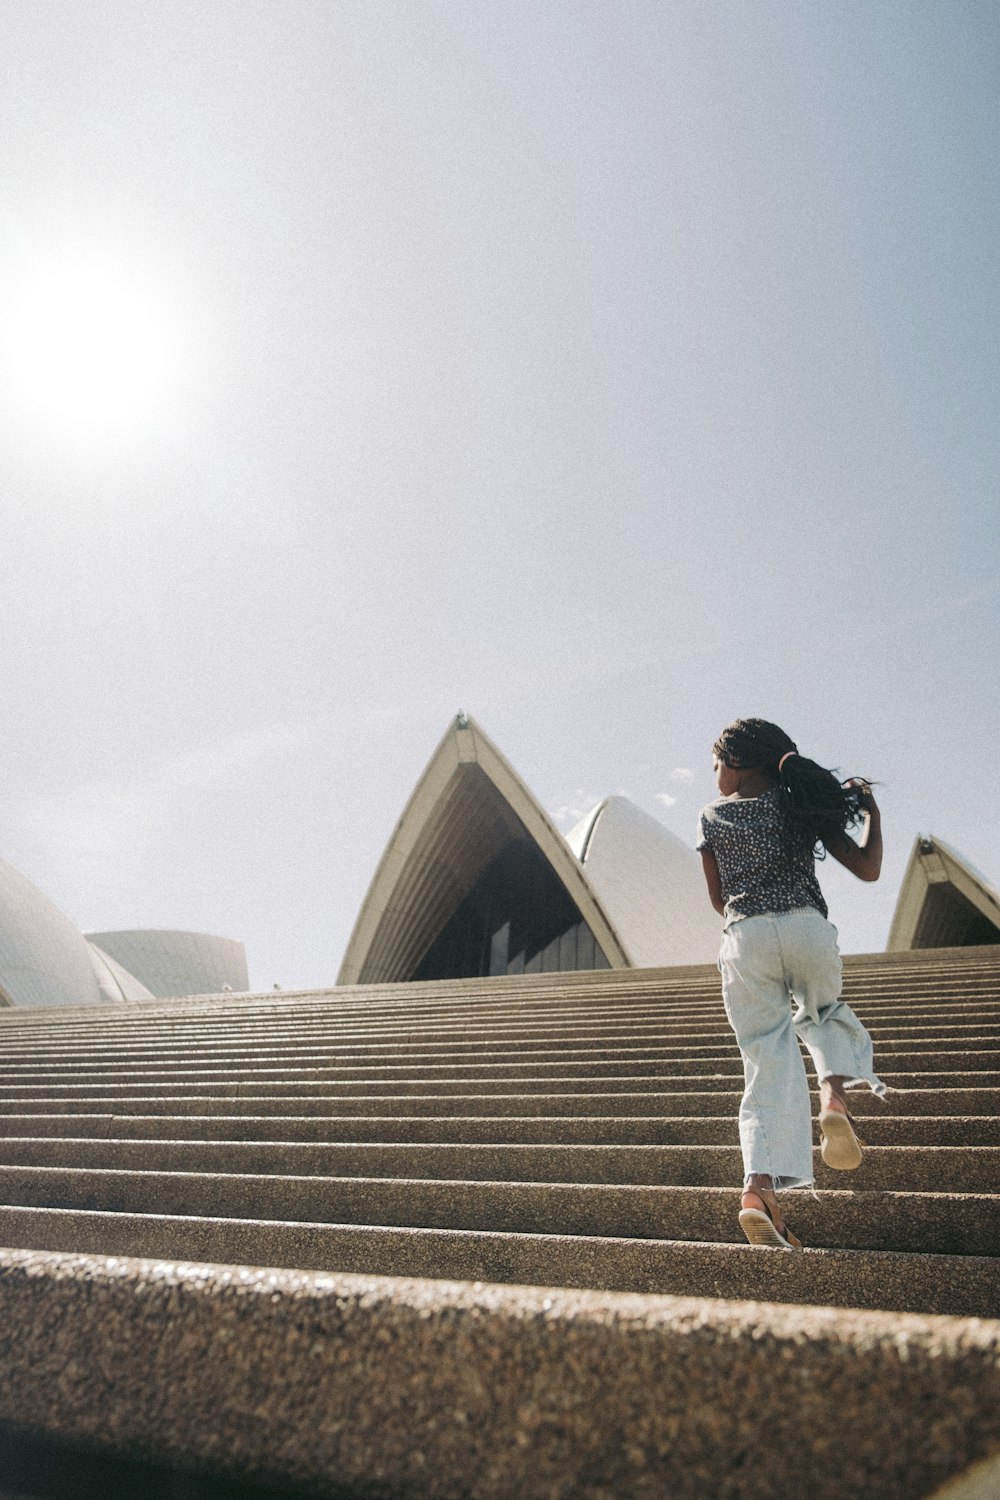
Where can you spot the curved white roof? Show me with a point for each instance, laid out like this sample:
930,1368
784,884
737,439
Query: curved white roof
650,884
638,888
172,963
115,982
44,960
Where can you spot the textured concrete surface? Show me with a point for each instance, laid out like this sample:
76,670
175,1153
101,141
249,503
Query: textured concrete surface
936,1223
438,1389
965,1285
422,1131
966,1169
610,1129
975,1102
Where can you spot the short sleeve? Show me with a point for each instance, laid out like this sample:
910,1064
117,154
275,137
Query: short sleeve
703,840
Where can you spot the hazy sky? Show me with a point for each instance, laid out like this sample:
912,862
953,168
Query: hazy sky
606,370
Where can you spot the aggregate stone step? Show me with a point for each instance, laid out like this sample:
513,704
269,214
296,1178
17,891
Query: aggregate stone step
938,1061
603,1129
330,1008
557,1018
157,1040
416,1087
106,1064
423,1059
465,1041
934,1222
534,1391
333,1073
571,1083
965,1169
457,1129
973,1169
720,1097
963,1286
333,1061
572,993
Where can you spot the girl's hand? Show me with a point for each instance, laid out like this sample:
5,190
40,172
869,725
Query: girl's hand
863,787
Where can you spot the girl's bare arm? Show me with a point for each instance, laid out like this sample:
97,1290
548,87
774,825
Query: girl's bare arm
713,881
864,858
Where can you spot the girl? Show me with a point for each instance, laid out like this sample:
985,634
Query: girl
776,812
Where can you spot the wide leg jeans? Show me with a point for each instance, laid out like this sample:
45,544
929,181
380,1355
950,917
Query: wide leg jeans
769,965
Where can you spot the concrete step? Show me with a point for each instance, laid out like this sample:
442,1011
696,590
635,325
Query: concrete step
709,1099
965,1169
604,1129
624,995
557,1020
936,1223
103,1064
221,1062
329,1008
729,1080
330,1011
363,1385
646,1064
965,1286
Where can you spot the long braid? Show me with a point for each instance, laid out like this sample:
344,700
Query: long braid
820,806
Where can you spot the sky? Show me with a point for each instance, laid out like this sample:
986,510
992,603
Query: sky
606,371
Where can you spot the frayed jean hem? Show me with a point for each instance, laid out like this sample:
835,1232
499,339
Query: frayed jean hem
779,1184
878,1088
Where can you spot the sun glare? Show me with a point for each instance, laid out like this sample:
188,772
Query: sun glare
84,348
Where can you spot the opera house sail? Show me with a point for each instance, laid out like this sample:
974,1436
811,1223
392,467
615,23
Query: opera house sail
477,880
46,960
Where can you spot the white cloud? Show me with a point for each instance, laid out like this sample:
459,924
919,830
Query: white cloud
666,799
681,773
572,814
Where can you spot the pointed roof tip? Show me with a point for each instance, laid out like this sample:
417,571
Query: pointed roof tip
412,886
581,833
920,920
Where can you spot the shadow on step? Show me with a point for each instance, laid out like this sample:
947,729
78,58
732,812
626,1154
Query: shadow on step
35,1468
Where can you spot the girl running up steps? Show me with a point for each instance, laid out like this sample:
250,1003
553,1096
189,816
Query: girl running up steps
775,814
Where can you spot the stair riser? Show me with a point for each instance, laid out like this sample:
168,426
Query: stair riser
960,1286
193,1022
331,1008
886,1168
943,1224
425,1385
224,1063
647,1064
608,1129
968,1093
940,1021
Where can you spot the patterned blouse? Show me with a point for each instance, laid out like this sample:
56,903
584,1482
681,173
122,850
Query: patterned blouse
764,864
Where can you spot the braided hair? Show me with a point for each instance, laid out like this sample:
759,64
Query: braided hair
821,807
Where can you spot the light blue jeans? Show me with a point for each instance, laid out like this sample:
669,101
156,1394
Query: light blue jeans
769,963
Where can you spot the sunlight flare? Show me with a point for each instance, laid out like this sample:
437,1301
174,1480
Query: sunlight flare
84,348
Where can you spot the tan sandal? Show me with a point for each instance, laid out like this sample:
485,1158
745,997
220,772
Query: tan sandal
760,1228
839,1146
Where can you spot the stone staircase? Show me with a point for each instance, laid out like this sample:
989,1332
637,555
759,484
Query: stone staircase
572,1132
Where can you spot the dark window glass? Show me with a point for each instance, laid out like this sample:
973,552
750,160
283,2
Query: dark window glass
517,919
